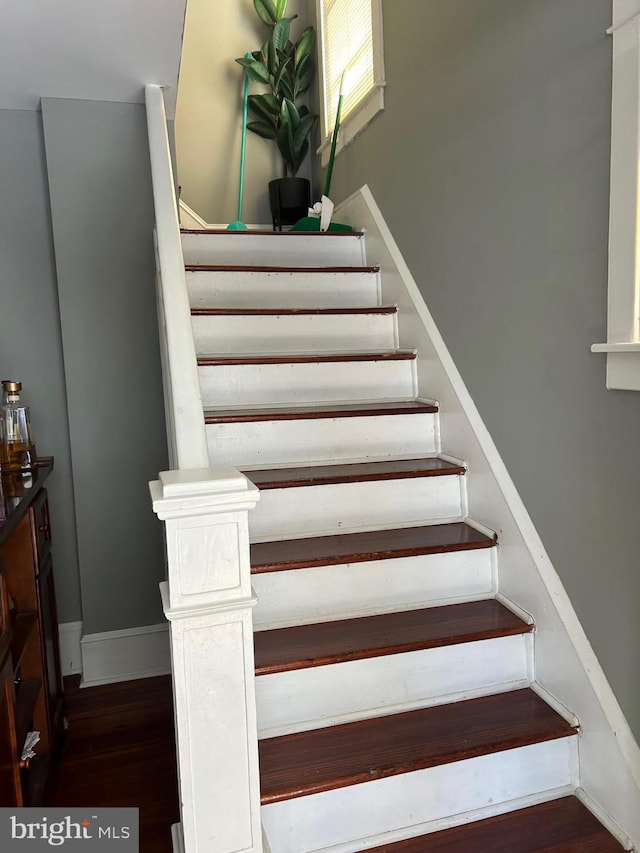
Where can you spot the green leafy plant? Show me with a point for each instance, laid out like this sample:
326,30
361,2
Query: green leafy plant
287,68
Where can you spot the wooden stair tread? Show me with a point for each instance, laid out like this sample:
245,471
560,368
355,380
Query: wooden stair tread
323,759
365,546
254,231
304,646
276,312
286,269
224,359
320,475
332,410
557,826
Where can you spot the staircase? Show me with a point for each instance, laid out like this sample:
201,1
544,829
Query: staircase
395,684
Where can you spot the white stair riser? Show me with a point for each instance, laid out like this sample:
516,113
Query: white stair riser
249,444
273,250
283,290
302,383
314,510
333,592
284,333
302,825
326,695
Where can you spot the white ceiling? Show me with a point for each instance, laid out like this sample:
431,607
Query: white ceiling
103,50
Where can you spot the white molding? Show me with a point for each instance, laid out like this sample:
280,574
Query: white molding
177,838
70,634
125,655
623,303
566,666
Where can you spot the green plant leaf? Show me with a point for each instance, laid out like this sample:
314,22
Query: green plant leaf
284,62
255,70
266,11
303,111
281,32
305,44
300,157
267,131
272,60
262,108
285,143
269,104
286,87
302,131
289,115
281,8
305,73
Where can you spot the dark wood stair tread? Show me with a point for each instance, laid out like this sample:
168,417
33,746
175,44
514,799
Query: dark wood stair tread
556,826
286,269
313,412
252,232
304,646
323,759
365,546
275,312
319,475
223,359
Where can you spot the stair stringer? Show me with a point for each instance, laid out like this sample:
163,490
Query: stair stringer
566,666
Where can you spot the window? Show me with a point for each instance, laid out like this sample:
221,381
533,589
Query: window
622,347
350,45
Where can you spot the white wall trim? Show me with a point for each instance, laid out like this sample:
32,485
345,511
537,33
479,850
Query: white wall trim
191,220
623,296
565,663
70,634
125,655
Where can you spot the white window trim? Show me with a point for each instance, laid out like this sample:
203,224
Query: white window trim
622,347
370,106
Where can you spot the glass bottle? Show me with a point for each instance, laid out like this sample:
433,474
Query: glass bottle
18,449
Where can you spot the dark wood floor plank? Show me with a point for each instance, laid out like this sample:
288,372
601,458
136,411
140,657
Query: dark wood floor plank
558,826
271,312
344,410
317,475
235,359
306,646
363,547
310,762
120,751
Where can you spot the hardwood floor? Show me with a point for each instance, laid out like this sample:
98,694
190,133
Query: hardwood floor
120,751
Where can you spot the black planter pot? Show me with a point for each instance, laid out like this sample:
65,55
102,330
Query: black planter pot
290,199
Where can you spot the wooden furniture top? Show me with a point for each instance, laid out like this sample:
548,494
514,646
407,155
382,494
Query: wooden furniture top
17,492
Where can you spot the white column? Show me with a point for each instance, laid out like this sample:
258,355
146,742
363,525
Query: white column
208,601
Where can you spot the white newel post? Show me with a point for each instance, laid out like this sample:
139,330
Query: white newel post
208,601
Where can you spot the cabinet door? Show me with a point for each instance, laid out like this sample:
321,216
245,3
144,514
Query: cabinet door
49,639
10,787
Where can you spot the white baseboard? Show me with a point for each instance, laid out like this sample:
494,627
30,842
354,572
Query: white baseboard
125,655
70,634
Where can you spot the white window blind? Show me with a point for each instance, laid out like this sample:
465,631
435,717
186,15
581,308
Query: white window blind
348,44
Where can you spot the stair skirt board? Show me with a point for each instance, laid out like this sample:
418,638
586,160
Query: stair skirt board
271,249
370,809
247,289
300,700
298,441
284,333
315,595
306,383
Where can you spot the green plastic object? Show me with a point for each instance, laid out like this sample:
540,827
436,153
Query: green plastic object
239,225
312,223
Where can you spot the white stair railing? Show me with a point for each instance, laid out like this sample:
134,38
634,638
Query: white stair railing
207,598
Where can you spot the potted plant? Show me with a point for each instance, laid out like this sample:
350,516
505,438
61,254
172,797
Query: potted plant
288,70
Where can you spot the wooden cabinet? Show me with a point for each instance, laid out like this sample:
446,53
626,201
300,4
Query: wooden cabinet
30,679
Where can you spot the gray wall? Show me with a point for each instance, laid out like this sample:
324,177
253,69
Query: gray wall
100,186
30,344
490,164
209,112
